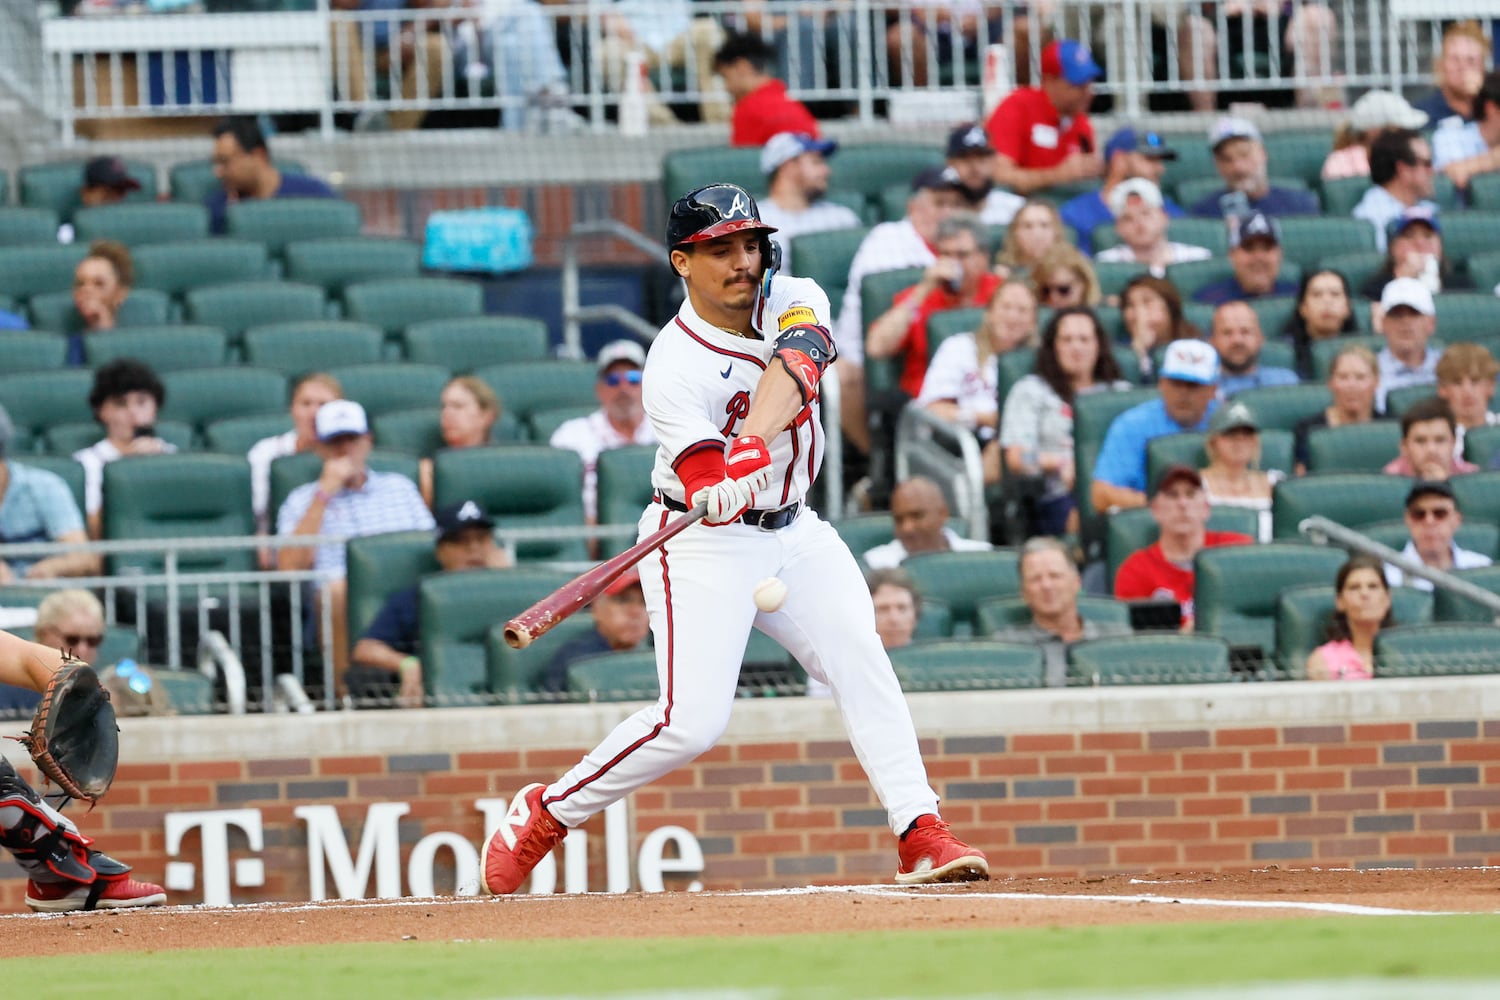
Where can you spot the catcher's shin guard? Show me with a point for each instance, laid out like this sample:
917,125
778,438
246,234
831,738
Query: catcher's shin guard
46,844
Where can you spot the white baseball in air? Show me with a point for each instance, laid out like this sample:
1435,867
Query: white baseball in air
770,594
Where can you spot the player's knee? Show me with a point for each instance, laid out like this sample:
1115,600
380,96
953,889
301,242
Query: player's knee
699,736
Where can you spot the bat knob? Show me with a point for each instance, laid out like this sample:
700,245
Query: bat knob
517,636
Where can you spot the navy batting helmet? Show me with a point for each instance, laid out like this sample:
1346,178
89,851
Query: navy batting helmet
713,211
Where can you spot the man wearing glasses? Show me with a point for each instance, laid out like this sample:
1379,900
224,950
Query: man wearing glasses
1433,518
1401,171
619,421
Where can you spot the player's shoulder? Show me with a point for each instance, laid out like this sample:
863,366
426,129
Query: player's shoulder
795,300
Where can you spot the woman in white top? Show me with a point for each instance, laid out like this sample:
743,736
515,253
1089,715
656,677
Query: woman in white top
964,374
308,393
1036,429
1233,477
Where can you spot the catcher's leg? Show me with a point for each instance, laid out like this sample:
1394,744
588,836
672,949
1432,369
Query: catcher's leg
65,872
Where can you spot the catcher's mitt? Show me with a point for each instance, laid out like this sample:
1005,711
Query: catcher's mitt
73,739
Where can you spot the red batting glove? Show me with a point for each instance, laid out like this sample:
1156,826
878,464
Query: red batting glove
749,463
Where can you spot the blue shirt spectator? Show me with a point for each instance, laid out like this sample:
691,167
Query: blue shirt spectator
242,162
13,321
1129,153
37,506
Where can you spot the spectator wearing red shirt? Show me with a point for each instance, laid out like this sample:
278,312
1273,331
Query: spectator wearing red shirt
1043,134
1164,569
761,107
959,278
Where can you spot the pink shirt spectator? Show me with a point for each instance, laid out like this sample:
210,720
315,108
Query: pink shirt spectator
1399,466
1351,161
1344,662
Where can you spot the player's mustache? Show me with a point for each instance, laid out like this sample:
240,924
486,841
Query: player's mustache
742,276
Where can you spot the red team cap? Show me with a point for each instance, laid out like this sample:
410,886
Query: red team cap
630,578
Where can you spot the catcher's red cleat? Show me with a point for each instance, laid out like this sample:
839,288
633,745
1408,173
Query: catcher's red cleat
930,853
526,835
104,894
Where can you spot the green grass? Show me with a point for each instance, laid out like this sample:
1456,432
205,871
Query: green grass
923,964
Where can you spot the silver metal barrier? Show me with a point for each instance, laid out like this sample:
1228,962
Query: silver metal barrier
949,454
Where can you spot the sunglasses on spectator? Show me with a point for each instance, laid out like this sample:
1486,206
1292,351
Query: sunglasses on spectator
131,673
1049,290
1433,513
632,377
72,641
1418,161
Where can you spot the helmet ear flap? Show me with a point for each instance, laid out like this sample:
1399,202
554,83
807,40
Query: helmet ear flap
770,256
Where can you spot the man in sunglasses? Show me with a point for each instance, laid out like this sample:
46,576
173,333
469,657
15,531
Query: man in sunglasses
619,421
1401,174
1433,519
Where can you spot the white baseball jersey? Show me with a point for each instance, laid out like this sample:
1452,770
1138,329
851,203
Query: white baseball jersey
699,379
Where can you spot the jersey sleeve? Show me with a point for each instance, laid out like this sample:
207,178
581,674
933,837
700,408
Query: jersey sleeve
793,301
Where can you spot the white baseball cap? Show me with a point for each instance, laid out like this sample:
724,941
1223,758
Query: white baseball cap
1381,108
1232,128
784,146
620,350
1191,361
1407,292
1138,187
338,417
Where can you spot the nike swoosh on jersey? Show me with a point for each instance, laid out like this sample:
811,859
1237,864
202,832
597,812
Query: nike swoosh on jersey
726,371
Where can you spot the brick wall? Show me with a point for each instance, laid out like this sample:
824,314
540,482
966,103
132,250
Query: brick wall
1222,791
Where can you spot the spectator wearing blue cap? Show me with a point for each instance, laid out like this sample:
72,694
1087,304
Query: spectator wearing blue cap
1128,154
1043,135
796,168
1240,157
1187,382
1401,172
972,156
1414,249
1255,254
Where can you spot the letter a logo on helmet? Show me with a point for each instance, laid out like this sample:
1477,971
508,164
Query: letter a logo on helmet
711,212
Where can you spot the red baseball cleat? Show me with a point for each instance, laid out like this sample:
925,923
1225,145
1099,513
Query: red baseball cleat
104,894
930,853
526,835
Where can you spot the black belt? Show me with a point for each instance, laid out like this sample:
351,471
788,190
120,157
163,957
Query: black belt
766,520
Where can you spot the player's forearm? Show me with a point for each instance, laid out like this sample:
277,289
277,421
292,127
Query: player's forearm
27,664
776,403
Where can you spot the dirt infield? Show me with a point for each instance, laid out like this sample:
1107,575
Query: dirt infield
1002,903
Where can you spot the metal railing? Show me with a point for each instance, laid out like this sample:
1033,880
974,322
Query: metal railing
561,66
949,455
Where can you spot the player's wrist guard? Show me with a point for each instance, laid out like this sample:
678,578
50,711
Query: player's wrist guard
806,350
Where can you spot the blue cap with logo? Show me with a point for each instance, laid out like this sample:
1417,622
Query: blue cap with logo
1128,140
1070,60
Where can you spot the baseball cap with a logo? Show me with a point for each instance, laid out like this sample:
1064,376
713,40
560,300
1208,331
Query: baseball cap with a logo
937,179
616,351
1256,225
786,146
1408,292
1191,361
459,517
339,418
1228,128
1070,60
1421,214
1135,187
109,172
969,139
1128,140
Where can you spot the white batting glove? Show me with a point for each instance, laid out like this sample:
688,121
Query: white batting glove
726,500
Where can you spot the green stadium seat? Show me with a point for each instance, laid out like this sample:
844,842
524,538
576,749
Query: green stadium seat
142,307
1150,658
179,267
291,471
236,435
55,186
967,665
544,423
207,395
945,324
963,579
458,611
624,488
518,675
876,294
1280,407
193,180
1324,351
179,496
1190,449
1484,194
1011,367
1196,274
1190,192
1351,499
1342,194
1478,495
242,304
870,168
137,224
1480,445
386,387
35,270
380,565
1303,614
1129,530
1449,607
65,439
1299,154
1092,415
525,387
1442,650
334,263
684,170
164,348
1273,313
1398,401
1009,612
518,486
63,466
465,344
862,532
393,304
1354,447
1484,270
279,221
1307,239
415,432
629,676
21,227
37,401
1357,268
1467,315
1194,160
1466,234
825,257
297,348
31,352
1236,587
188,691
1114,276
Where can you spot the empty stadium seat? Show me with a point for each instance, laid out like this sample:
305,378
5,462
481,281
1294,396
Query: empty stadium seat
334,263
35,270
1324,351
1129,530
414,431
465,344
1484,270
458,611
1279,407
528,386
1357,268
1341,194
1011,612
628,676
179,496
872,167
942,325
392,385
1353,447
1303,614
544,423
1115,275
142,307
1351,499
31,352
239,305
393,304
1273,312
380,565
37,401
206,395
624,484
1478,495
1468,233
967,665
1236,587
1480,445
55,186
279,221
825,257
1149,658
684,170
1450,607
1468,315
291,471
27,226
178,267
236,435
297,348
963,579
137,224
518,674
1439,650
164,348
518,486
1307,239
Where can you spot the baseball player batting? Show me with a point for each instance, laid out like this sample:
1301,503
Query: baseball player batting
730,387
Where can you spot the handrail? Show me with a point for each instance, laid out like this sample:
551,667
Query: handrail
573,310
216,657
1322,531
968,456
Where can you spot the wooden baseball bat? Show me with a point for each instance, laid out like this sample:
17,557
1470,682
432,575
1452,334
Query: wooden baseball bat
544,615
